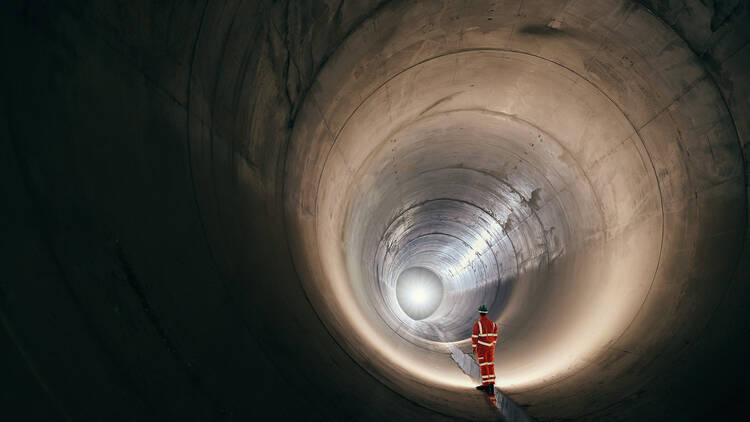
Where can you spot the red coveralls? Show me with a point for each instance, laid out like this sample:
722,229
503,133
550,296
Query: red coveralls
483,339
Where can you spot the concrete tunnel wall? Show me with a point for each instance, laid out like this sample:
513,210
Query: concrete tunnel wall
208,206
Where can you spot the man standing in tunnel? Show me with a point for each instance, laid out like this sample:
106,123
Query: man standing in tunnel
483,339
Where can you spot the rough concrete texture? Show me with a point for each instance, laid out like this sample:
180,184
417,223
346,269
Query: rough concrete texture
206,207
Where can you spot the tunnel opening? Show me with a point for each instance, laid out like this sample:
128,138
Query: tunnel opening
531,182
419,292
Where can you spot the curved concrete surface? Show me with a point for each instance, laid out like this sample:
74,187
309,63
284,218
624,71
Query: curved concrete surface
215,210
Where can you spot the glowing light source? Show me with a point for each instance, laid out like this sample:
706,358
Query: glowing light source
419,292
418,295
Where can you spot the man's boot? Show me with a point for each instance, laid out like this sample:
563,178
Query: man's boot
482,387
491,389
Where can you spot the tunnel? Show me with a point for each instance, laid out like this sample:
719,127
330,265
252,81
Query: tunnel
264,210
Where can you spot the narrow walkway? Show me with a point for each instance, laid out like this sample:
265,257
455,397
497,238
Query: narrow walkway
509,411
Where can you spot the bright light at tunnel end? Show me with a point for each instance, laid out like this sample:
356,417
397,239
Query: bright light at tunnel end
418,295
419,292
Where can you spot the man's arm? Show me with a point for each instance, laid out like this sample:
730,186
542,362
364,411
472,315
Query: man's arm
474,337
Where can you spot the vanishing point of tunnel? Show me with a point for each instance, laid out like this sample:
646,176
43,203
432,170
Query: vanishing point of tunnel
275,210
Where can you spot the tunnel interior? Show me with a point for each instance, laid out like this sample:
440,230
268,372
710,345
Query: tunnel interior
313,199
